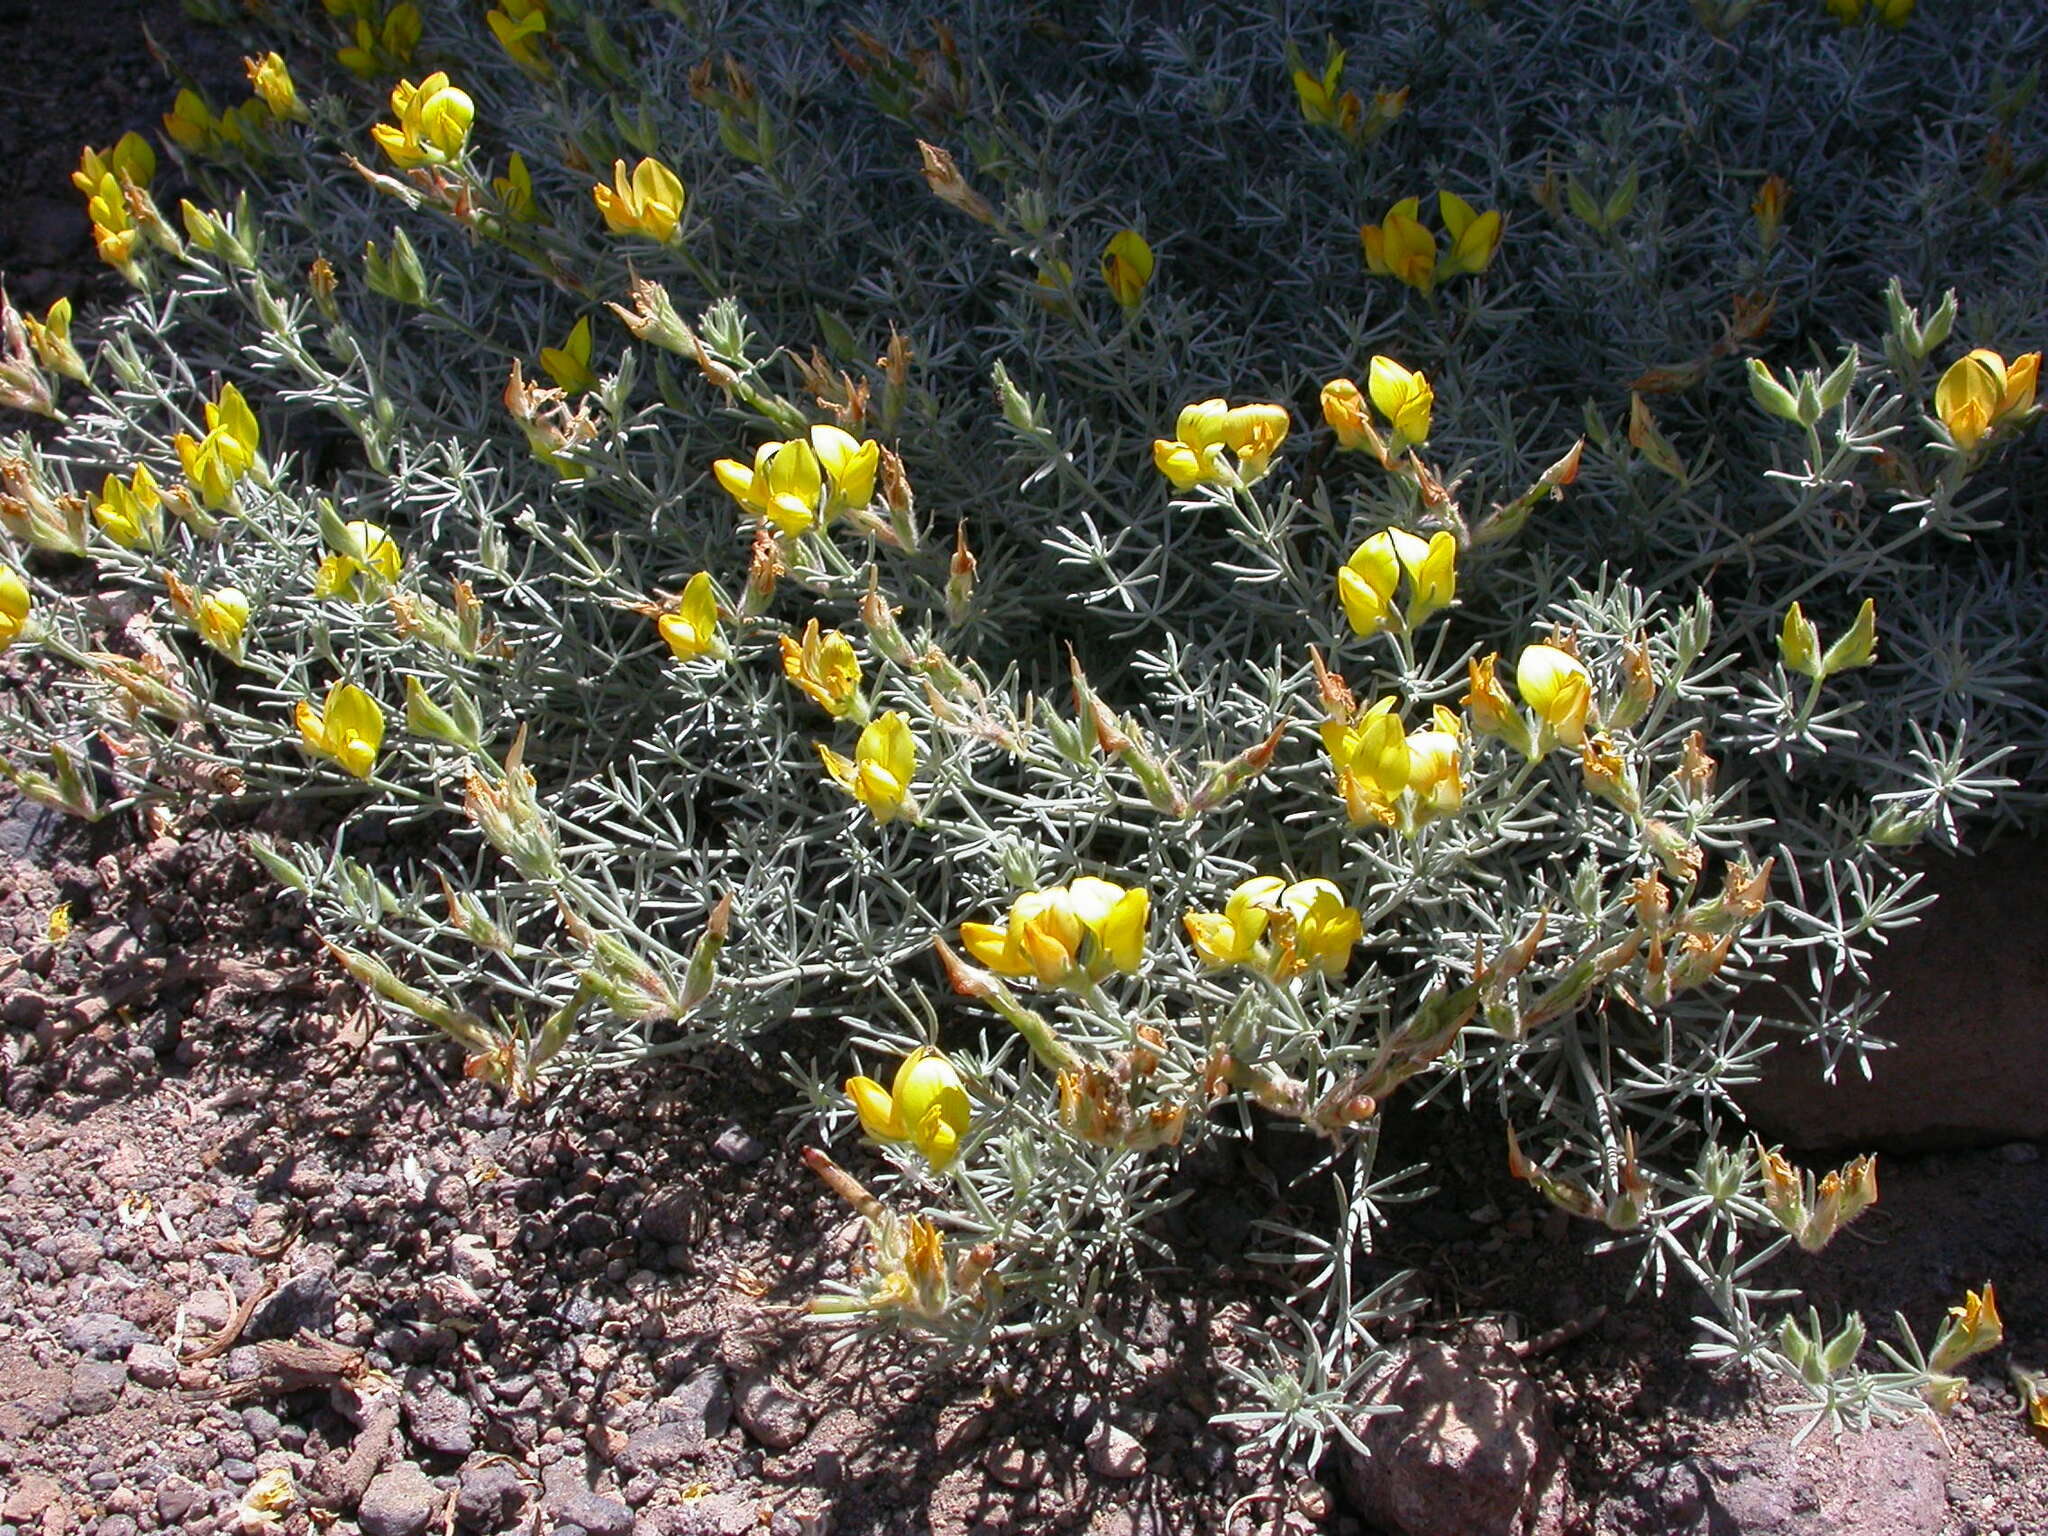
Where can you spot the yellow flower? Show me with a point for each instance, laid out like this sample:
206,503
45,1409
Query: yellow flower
879,774
376,561
691,630
191,124
221,616
569,364
1981,390
213,464
849,466
51,337
1405,398
925,1106
1436,766
130,160
15,606
1321,102
786,485
1474,236
1366,583
518,27
649,202
1372,763
1206,433
131,514
1127,267
1308,923
433,124
1399,247
515,191
1065,933
373,51
1345,413
348,730
272,83
1557,686
824,667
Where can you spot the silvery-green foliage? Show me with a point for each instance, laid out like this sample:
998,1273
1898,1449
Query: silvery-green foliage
585,935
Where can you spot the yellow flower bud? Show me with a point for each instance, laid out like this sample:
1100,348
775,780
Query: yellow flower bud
1557,686
131,514
1127,267
1981,390
1474,236
433,124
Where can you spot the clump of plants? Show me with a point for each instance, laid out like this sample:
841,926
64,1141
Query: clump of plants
1141,594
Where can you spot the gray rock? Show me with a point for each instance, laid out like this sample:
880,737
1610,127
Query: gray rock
175,1499
236,1470
1890,1482
1471,1450
720,1514
1113,1452
116,1525
736,1144
96,1386
598,1515
1015,1465
669,1217
102,1335
307,1300
661,1447
152,1365
400,1501
489,1496
770,1412
263,1425
704,1399
435,1418
471,1261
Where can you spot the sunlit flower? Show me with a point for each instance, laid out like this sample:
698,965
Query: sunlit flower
1280,928
1369,580
1436,763
221,616
215,463
16,604
1556,685
515,191
131,513
1209,433
1405,398
849,465
1065,933
1369,755
785,486
348,730
648,202
433,124
1981,390
519,25
367,569
691,628
271,80
823,666
925,1106
879,773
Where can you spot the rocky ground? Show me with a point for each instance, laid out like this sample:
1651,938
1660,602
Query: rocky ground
242,1235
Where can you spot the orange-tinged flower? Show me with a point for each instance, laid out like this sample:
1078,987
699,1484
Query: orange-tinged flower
823,666
1065,933
1215,443
649,201
1981,390
1400,247
1280,928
